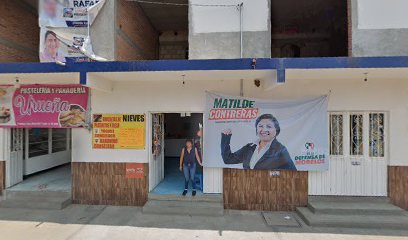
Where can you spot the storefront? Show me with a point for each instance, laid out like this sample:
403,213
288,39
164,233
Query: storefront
34,150
366,129
36,135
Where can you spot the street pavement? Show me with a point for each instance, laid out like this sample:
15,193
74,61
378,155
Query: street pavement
111,222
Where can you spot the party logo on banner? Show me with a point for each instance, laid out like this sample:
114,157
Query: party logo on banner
248,133
310,155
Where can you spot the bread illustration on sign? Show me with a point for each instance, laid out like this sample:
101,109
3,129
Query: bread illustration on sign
75,117
4,115
3,92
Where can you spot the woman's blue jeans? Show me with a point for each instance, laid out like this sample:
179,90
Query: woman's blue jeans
189,173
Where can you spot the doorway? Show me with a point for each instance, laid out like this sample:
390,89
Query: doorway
358,156
169,134
40,160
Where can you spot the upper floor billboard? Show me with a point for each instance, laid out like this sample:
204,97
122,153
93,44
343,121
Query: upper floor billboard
68,13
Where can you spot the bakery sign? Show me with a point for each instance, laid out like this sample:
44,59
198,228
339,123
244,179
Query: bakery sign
43,106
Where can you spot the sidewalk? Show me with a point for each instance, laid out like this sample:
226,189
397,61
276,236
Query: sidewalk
109,222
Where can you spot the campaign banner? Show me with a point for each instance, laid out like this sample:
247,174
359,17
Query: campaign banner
61,45
248,133
118,131
68,13
43,106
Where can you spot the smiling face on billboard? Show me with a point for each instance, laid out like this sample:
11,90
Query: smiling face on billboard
52,44
266,130
267,127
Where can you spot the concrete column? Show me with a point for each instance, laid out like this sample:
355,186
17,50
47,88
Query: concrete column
103,31
214,31
376,42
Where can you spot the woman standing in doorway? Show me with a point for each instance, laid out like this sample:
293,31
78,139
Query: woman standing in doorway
189,156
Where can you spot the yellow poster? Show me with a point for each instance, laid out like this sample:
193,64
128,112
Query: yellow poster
118,131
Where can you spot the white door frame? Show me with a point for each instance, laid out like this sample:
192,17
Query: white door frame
13,152
152,181
212,177
354,175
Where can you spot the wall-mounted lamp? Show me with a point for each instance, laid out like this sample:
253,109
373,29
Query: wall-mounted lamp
257,82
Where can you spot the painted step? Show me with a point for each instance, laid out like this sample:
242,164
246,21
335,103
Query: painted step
54,204
216,198
353,221
40,194
349,199
36,200
354,208
194,208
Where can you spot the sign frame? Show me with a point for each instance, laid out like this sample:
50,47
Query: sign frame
117,146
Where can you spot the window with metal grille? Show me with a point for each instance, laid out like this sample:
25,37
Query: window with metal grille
336,134
356,134
376,135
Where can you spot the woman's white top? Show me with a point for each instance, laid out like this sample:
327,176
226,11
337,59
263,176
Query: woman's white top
258,154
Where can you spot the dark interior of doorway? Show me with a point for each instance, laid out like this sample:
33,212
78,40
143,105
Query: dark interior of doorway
178,127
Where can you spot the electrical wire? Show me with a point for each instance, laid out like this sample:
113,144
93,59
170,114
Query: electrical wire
184,4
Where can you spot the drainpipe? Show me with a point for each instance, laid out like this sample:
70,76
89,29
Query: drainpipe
241,27
241,86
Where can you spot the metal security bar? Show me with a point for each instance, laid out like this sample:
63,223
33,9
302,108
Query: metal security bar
356,134
376,135
336,134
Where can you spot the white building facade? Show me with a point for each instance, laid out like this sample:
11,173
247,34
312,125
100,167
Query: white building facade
367,111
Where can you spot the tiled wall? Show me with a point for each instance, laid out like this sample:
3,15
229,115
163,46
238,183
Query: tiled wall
261,190
107,184
398,185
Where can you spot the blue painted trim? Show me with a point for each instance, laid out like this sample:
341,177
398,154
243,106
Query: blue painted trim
345,62
281,75
158,65
224,64
83,78
280,67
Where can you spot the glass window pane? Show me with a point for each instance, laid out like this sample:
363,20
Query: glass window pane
59,140
336,134
376,135
37,142
356,134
